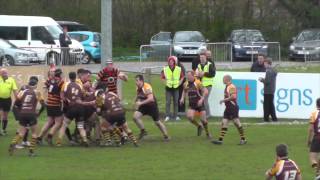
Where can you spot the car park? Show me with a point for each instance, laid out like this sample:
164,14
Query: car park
247,44
91,43
12,55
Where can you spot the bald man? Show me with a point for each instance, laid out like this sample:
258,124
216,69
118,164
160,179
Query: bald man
7,87
231,112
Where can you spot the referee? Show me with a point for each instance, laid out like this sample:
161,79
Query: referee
7,86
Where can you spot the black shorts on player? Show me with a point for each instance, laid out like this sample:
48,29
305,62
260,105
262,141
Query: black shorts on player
231,113
150,110
54,111
5,104
118,119
28,120
75,112
197,108
315,144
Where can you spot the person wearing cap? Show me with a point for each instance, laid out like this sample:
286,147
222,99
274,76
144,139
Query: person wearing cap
108,78
7,87
53,86
206,72
173,77
29,98
269,82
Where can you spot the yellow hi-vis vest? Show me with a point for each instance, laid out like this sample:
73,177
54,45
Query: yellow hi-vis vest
206,81
172,78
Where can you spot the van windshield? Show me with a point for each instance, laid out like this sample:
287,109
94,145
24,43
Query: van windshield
55,31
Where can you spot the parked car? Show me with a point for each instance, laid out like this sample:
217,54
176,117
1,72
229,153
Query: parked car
305,45
12,55
73,26
247,44
37,33
91,43
184,45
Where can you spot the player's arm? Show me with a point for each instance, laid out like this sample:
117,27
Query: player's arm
233,96
42,103
299,177
123,76
183,96
204,92
149,99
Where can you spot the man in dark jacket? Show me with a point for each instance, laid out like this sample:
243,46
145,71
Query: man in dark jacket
269,88
65,41
258,66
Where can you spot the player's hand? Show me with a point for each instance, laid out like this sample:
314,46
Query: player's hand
78,101
309,143
200,102
181,101
221,102
260,79
138,104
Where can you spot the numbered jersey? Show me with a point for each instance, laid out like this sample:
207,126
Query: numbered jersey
315,120
73,92
54,87
29,99
112,104
144,92
285,169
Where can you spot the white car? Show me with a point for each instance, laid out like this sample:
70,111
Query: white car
37,33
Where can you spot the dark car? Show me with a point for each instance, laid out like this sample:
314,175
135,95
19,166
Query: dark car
247,44
306,45
73,26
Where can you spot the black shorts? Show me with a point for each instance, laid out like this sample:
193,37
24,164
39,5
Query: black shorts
150,110
5,104
231,112
118,119
75,112
197,108
28,120
88,111
315,144
16,112
54,111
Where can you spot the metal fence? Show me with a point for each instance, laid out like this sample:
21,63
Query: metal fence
155,52
41,55
221,51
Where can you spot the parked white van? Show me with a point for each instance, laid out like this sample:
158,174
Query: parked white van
40,34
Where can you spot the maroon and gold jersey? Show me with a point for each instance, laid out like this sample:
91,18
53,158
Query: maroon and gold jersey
284,169
73,91
110,78
142,93
228,92
54,87
112,104
193,89
315,121
29,99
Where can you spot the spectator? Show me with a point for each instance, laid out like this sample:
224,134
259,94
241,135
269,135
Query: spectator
206,72
65,41
269,88
181,107
172,76
258,66
7,87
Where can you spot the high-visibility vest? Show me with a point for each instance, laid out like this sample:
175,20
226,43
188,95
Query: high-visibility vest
172,77
206,81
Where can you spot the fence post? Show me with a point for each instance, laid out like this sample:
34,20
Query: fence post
147,75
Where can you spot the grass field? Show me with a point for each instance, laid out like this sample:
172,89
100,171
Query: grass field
186,156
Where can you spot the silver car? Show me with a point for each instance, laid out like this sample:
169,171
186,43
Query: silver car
16,56
306,45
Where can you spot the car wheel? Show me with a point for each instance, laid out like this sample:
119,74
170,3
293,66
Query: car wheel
97,61
86,58
8,61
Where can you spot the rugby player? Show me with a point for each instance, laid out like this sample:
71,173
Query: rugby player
73,92
29,99
196,94
231,112
284,168
54,86
314,139
146,104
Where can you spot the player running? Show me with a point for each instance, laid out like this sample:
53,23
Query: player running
314,139
196,93
146,104
284,168
29,99
73,92
231,112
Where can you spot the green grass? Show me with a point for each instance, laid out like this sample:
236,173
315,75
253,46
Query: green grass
186,156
